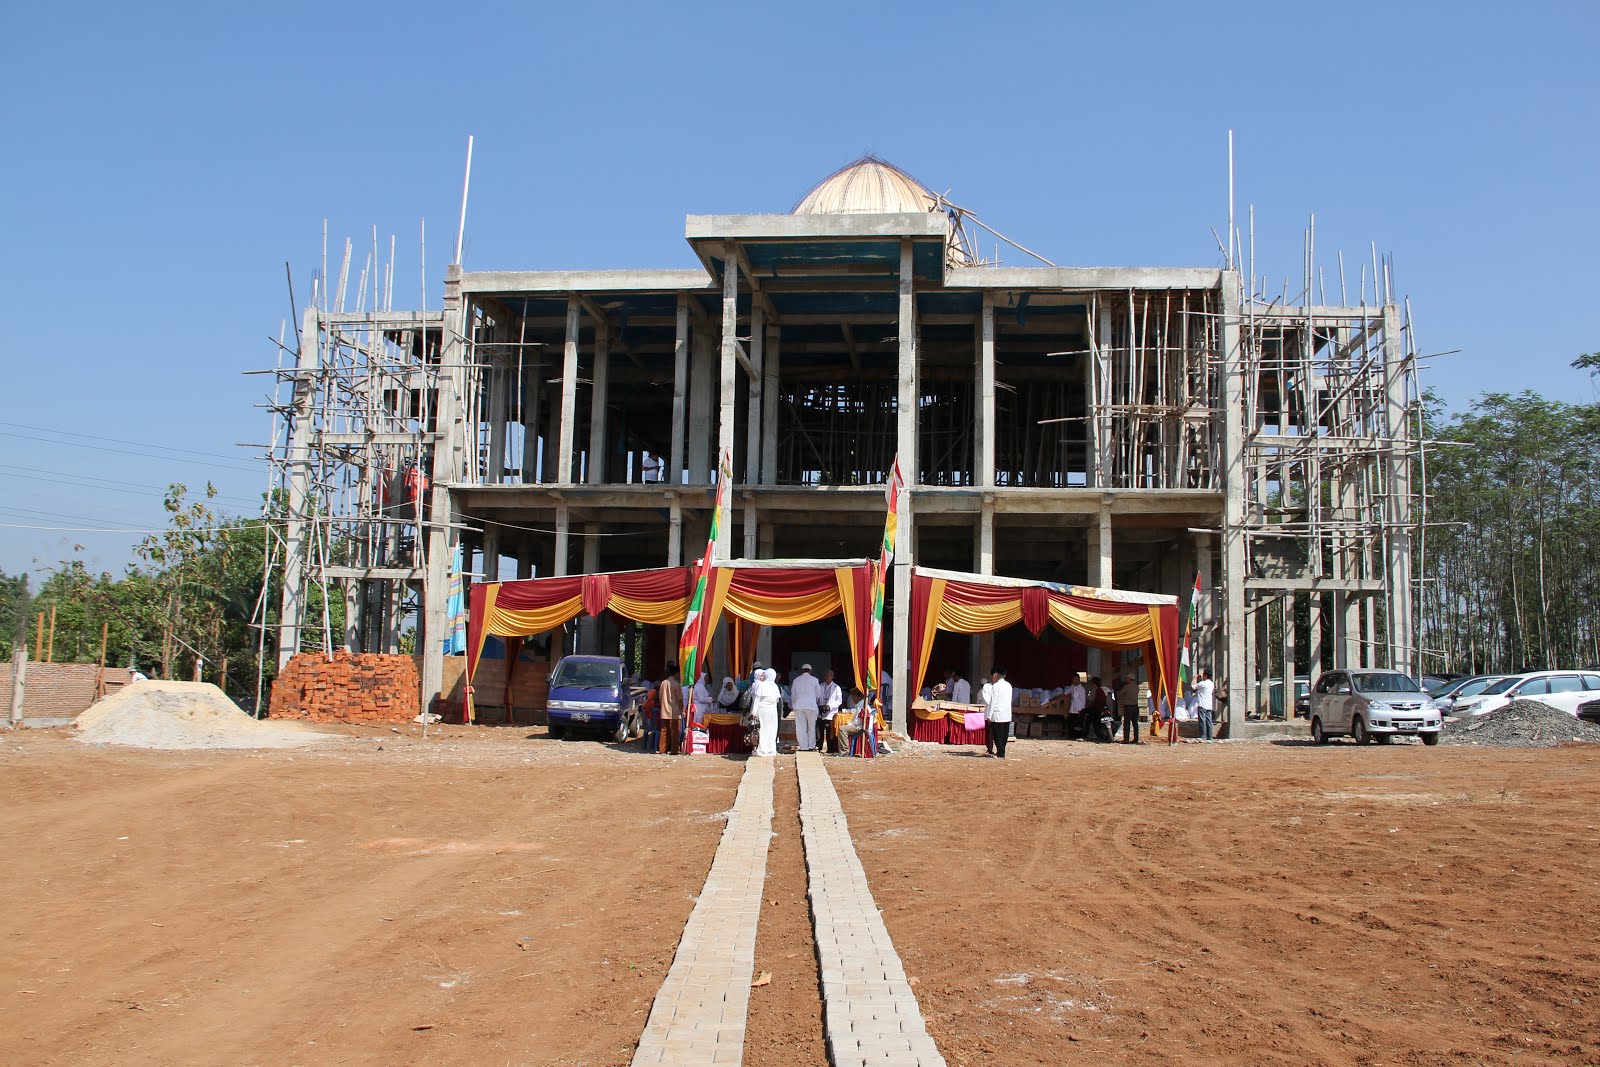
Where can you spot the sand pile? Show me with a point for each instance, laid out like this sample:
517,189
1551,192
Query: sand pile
1520,724
182,715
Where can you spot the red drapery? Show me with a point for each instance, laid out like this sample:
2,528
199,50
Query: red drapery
976,606
751,596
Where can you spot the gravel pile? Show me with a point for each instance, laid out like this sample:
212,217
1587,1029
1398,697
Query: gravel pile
1520,724
182,715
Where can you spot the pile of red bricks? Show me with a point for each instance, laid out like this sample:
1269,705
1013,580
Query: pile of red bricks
353,687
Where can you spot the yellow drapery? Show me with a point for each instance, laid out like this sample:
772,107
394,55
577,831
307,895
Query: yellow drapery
978,618
503,623
940,713
930,625
723,718
776,611
652,612
845,576
1110,632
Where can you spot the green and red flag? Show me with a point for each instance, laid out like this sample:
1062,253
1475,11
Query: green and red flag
1185,660
691,641
880,576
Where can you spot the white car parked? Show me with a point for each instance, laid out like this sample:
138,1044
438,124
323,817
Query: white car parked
1563,690
1372,705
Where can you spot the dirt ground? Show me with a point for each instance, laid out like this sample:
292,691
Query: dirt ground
1242,903
488,897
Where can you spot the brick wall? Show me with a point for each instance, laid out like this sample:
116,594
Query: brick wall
57,690
352,687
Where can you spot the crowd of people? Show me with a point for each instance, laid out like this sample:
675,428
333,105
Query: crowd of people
824,714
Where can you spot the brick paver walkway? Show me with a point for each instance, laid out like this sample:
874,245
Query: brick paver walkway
698,1017
871,1013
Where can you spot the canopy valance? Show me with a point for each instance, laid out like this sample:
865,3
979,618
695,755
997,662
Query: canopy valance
1108,619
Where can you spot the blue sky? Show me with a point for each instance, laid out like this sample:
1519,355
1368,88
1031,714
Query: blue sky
165,160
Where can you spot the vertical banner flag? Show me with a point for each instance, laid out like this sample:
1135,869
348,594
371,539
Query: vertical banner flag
455,609
1186,660
880,576
691,641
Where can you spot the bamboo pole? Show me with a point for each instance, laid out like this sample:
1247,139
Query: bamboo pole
100,674
50,644
38,639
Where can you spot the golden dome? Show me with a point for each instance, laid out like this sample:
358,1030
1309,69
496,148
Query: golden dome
869,186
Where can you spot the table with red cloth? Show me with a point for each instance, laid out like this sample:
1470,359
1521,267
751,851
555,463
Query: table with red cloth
725,734
943,722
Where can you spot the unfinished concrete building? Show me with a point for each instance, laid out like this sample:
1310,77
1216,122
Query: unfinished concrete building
1126,427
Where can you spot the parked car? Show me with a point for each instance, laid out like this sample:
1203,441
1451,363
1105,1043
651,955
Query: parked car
1448,695
1589,711
1563,690
591,692
1302,696
1372,705
1439,679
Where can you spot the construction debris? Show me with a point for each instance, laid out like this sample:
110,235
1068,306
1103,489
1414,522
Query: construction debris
171,715
1520,724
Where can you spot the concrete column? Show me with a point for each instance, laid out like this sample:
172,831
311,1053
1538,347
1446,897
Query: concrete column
394,594
750,530
727,382
1205,625
1097,370
754,425
563,557
984,459
1289,664
569,395
701,383
491,553
524,566
439,534
984,650
1401,629
906,444
498,379
1314,638
1100,564
533,370
589,625
1233,488
771,408
599,394
674,532
765,543
291,608
680,392
355,615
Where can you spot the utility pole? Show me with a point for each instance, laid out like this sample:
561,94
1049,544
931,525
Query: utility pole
19,659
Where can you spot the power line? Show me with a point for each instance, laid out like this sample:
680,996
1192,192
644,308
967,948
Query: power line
119,440
142,492
126,452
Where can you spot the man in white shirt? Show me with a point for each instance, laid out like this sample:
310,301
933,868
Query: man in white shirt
1205,703
803,693
829,700
1077,709
997,710
960,689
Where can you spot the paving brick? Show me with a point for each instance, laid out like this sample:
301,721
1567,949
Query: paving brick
870,1014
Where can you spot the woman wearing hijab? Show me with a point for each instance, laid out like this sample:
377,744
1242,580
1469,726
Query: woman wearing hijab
728,697
765,708
703,697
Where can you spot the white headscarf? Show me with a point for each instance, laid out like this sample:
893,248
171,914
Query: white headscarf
765,687
728,695
702,688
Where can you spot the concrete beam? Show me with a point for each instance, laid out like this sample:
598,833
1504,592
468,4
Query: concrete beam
747,227
556,282
1078,278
